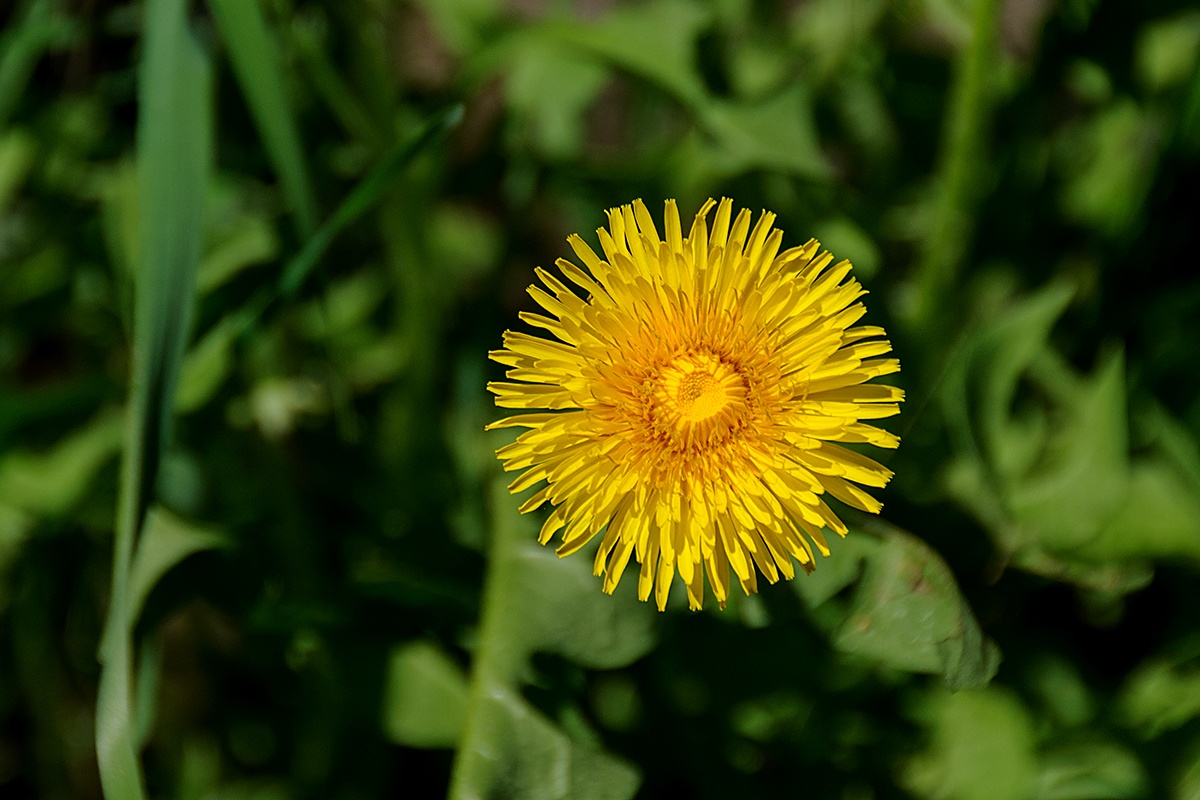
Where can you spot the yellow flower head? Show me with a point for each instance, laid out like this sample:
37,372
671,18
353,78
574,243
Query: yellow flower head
694,400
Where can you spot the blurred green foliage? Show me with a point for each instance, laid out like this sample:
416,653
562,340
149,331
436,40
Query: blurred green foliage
258,249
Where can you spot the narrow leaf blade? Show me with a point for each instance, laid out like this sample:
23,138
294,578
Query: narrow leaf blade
365,195
257,64
174,153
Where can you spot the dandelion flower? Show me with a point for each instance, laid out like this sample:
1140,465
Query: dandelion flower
695,402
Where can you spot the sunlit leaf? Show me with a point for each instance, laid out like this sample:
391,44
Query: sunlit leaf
536,602
166,540
1187,784
252,241
654,40
1082,479
549,88
831,31
206,366
50,482
1067,698
174,157
1091,771
835,573
1167,50
425,699
462,23
1108,164
1001,354
17,150
777,134
563,611
1159,516
982,748
1159,697
908,614
532,759
843,236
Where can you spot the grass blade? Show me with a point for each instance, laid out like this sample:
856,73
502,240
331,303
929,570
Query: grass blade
22,45
174,155
258,67
365,195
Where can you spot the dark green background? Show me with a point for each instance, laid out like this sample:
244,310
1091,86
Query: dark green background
1016,183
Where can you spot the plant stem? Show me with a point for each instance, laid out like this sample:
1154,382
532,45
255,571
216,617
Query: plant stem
957,183
497,661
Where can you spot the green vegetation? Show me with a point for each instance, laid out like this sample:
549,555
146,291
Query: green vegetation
254,541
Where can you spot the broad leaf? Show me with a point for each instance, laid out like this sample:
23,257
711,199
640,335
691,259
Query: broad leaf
907,613
1091,771
982,748
655,41
1160,697
425,700
531,759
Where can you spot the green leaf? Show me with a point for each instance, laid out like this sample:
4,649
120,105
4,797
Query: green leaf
1066,698
563,611
1109,163
655,41
1187,786
251,241
1177,445
844,238
17,152
23,43
832,32
833,574
365,195
1055,484
1091,771
1082,479
166,540
465,242
259,70
462,23
961,178
346,306
1159,697
1167,51
549,87
982,748
775,135
534,601
119,215
532,759
998,358
1108,578
908,614
207,365
1159,518
425,700
174,156
50,483
147,680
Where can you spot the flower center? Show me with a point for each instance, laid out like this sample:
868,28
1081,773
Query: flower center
696,387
